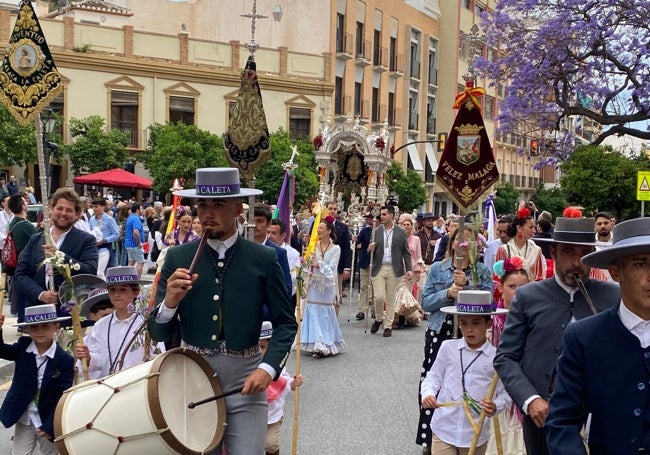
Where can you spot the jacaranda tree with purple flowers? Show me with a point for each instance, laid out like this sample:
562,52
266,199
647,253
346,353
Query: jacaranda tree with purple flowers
563,58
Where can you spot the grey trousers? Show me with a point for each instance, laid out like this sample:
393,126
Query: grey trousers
246,415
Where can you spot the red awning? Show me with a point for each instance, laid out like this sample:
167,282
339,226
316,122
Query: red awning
115,178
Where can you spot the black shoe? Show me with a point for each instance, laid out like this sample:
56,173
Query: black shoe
426,450
361,316
375,326
388,332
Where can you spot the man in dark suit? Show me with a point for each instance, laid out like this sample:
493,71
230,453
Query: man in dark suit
262,219
539,313
221,303
604,369
391,259
32,284
362,243
343,241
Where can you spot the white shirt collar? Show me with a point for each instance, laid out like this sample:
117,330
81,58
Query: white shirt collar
629,319
229,242
49,353
570,290
463,345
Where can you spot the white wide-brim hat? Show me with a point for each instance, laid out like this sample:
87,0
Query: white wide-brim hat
628,238
40,314
217,183
474,303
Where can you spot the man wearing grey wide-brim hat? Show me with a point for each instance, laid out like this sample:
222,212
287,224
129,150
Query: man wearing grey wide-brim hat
539,314
604,369
219,306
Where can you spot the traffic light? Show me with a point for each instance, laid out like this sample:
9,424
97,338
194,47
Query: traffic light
534,147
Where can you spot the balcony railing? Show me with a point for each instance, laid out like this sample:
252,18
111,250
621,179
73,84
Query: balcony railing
344,46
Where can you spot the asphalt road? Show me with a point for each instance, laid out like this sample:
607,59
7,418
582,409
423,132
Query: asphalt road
363,401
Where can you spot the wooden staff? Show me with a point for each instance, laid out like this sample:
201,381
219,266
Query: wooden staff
481,420
296,400
497,435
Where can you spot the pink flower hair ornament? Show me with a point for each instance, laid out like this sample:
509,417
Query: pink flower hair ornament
508,265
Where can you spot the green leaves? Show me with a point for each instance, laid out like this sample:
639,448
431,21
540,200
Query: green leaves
506,198
270,175
599,178
17,142
408,187
177,150
94,149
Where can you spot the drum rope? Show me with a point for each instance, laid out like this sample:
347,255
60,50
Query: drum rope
116,390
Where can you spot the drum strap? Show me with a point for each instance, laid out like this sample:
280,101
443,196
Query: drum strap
113,362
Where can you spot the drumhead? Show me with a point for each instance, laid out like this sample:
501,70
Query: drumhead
184,377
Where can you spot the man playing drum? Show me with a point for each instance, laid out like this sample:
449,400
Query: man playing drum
219,308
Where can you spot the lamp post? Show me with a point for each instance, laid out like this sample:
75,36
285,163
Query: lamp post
48,123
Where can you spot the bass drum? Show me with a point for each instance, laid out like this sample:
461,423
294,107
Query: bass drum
143,410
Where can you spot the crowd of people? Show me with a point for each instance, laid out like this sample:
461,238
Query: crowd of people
504,308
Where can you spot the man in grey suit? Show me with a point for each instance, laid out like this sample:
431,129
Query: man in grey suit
539,313
390,260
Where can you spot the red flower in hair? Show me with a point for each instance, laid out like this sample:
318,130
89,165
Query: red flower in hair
330,219
523,213
572,212
513,264
318,141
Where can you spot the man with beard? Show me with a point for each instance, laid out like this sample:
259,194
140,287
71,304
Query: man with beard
219,306
32,281
539,314
604,226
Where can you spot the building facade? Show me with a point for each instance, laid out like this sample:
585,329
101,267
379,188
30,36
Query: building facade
136,78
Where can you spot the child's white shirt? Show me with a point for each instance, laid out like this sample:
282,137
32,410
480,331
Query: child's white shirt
276,407
444,380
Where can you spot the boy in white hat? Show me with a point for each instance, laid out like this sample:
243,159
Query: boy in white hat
111,336
458,382
43,372
276,394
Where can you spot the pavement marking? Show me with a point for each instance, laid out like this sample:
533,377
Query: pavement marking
5,386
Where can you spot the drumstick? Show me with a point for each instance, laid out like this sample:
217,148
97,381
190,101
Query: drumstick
197,255
199,250
215,398
583,291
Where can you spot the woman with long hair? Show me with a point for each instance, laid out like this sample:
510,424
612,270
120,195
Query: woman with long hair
520,231
445,279
183,232
320,332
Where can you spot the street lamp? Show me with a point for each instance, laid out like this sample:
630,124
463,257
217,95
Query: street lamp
277,13
48,122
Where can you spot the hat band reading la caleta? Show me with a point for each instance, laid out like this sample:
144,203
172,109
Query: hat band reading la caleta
573,237
211,190
473,308
266,333
121,278
42,317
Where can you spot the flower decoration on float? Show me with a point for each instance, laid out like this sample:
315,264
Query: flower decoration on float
392,150
508,265
379,143
318,141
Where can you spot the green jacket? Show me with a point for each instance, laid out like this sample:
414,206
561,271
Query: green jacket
232,308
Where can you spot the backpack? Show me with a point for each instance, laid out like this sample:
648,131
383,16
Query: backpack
9,256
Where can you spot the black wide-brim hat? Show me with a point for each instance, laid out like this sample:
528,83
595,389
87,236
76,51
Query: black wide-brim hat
217,183
628,238
83,285
575,231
